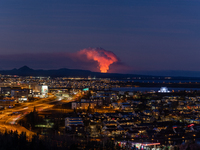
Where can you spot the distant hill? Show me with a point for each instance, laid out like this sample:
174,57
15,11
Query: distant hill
26,71
64,72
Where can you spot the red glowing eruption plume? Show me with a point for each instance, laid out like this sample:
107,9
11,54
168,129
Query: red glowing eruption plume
103,57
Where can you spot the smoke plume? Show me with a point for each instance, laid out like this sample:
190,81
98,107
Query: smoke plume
103,57
93,59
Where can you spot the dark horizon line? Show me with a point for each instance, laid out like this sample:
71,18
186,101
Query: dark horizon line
161,73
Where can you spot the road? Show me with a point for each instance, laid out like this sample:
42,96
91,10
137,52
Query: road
9,117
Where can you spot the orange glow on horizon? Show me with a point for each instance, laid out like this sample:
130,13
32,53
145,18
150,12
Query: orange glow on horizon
103,57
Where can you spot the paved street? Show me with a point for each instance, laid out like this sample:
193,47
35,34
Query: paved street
9,117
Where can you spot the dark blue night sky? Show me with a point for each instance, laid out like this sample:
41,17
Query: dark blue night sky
143,34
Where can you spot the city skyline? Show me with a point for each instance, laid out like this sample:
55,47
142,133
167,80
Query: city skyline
99,75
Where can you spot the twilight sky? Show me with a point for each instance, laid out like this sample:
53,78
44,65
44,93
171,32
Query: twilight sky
143,34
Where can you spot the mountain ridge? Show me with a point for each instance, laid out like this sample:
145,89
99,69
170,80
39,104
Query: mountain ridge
65,72
62,72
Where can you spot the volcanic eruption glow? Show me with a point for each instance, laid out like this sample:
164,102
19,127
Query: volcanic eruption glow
103,57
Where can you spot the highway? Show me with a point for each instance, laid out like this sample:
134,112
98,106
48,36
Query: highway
9,117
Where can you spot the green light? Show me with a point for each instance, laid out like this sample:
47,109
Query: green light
86,89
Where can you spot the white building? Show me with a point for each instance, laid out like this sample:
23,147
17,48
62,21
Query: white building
82,105
69,121
163,90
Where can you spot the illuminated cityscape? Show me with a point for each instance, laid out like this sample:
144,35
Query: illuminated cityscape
99,75
101,113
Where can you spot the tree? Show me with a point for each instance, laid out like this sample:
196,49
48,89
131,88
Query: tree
75,111
118,147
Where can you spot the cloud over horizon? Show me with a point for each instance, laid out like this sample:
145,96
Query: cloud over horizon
77,60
